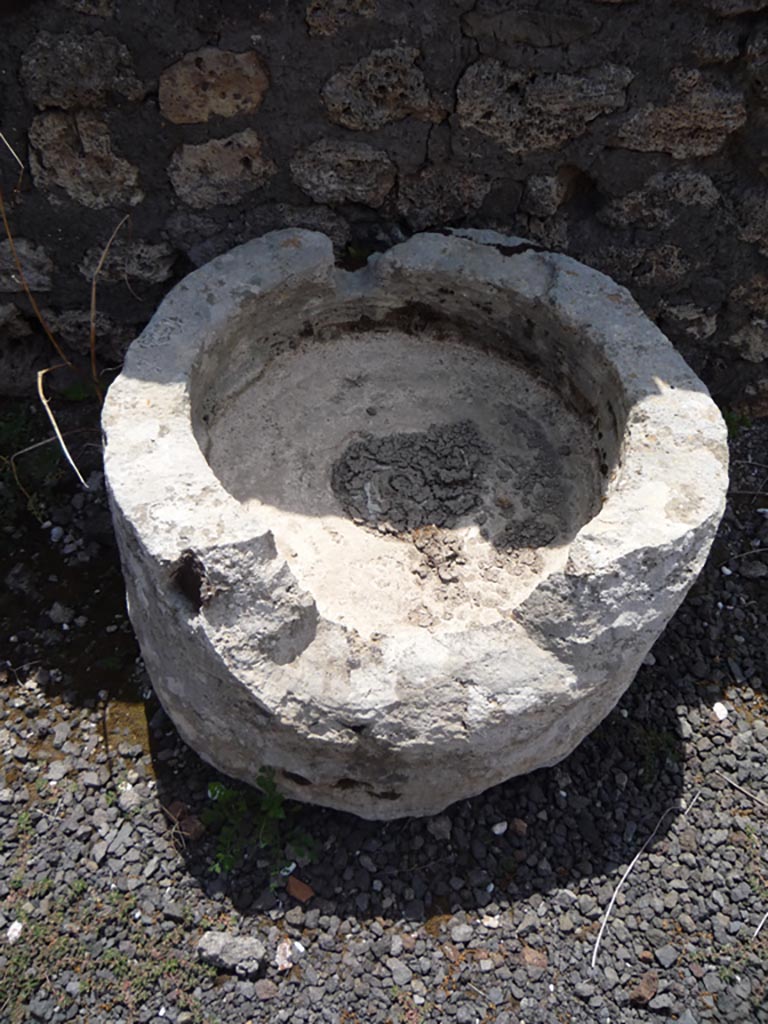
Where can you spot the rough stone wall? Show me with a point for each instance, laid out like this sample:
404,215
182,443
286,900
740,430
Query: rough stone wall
631,134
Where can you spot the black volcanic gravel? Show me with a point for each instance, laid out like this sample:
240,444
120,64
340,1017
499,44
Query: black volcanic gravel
110,877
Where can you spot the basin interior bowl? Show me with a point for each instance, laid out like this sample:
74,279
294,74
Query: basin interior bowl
415,472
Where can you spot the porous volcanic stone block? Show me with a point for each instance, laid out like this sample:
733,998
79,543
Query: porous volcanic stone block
344,172
72,71
697,119
403,533
220,171
212,83
438,194
138,260
382,88
74,152
523,110
35,263
327,17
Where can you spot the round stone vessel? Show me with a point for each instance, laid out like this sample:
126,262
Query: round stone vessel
402,533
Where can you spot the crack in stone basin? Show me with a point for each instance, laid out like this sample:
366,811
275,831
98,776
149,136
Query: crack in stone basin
410,480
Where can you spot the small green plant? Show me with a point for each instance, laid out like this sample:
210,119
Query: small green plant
736,421
23,823
227,817
42,887
240,816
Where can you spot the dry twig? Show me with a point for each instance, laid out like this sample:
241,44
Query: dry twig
97,271
627,873
762,922
17,158
741,789
25,286
49,412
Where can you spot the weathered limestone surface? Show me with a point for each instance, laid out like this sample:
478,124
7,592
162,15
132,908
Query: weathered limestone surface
385,648
212,83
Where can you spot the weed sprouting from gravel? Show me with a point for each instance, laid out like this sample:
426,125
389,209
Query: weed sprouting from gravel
241,817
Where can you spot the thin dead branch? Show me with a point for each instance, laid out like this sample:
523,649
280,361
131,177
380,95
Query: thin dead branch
97,271
762,922
59,437
744,554
749,462
17,158
11,459
25,286
741,789
625,876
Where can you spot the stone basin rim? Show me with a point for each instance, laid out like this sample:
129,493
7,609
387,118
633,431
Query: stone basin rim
170,346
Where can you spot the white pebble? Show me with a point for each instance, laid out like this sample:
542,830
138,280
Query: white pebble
726,571
14,932
56,534
499,828
720,711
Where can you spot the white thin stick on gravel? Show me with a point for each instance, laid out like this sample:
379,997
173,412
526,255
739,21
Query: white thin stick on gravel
745,554
741,789
12,151
762,922
94,279
627,873
41,374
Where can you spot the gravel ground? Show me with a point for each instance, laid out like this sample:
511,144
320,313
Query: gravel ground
136,884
